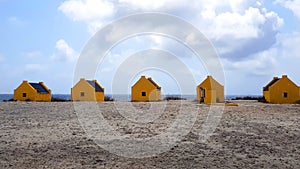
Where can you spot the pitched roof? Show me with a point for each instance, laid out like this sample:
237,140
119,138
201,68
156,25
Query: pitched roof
39,88
211,81
95,85
275,79
156,85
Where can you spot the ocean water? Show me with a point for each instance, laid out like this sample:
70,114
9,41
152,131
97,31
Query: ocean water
120,97
4,97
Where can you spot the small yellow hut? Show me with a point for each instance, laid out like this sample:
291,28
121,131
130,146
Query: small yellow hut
145,89
281,91
210,91
32,92
87,90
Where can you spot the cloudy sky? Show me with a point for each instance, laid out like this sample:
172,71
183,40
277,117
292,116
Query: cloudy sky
254,39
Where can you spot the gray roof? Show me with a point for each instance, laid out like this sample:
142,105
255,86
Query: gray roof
266,88
39,88
95,85
155,84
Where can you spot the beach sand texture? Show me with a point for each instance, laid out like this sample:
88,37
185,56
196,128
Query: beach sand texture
49,135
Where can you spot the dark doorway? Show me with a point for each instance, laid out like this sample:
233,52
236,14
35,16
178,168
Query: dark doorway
202,94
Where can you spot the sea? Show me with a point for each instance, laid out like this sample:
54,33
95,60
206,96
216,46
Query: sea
119,97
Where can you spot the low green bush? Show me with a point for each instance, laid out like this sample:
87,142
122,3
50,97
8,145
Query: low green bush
108,99
54,99
173,98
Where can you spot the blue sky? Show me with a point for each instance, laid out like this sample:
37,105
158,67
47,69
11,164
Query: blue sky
255,39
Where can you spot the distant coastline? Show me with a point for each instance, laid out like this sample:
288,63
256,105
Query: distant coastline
124,97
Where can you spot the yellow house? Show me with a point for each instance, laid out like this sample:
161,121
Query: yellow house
145,89
87,90
210,91
281,91
32,92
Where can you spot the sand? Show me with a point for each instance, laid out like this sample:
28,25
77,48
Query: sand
49,135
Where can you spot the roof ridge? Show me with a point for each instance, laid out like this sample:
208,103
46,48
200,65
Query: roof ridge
39,87
95,85
271,83
211,79
155,84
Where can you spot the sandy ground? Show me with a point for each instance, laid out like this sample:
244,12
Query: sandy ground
49,135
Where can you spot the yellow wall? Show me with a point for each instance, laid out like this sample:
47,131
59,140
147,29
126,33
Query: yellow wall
144,85
99,96
43,97
214,91
31,93
211,96
89,92
277,90
267,96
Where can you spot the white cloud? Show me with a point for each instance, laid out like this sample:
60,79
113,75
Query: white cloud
263,63
155,5
92,12
191,5
246,24
293,5
86,10
64,52
240,35
195,6
217,19
232,26
237,18
245,33
94,26
237,25
290,45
